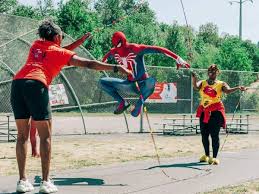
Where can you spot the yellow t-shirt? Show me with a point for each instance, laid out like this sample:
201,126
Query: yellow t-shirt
210,94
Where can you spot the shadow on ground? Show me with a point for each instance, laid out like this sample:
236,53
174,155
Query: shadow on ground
68,181
192,165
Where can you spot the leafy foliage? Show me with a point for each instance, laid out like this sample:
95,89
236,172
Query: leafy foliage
7,5
138,21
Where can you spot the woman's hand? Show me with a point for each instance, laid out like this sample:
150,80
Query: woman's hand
194,75
195,83
78,42
242,88
226,89
86,36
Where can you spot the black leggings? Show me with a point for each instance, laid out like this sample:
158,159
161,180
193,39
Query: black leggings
212,128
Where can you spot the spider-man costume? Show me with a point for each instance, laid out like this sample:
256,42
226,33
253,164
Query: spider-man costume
131,56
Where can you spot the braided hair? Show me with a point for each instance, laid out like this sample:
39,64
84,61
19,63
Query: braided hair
48,30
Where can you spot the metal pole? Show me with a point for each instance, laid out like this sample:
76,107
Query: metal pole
240,103
76,98
141,120
126,122
247,121
240,2
8,68
240,19
240,122
17,37
191,96
8,127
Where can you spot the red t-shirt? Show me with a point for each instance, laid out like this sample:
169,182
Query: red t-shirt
44,62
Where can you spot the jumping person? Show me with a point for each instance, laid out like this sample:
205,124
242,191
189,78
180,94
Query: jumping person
211,110
35,152
131,56
30,98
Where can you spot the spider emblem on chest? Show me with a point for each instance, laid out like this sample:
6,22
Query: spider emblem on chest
127,61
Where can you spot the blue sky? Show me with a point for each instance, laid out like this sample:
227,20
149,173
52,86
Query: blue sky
199,12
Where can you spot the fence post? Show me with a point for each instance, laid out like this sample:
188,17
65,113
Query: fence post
191,95
247,121
240,122
141,120
8,127
75,97
126,122
240,103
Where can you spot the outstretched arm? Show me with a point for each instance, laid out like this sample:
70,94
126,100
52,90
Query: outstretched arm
96,65
107,56
78,42
195,83
145,49
226,88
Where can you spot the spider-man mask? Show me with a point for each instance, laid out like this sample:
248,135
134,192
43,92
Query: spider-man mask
119,39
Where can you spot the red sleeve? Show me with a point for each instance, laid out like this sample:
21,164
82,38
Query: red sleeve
147,49
108,55
62,57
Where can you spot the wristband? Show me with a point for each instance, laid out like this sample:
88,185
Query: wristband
115,69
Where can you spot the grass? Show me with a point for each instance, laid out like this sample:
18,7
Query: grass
251,187
73,152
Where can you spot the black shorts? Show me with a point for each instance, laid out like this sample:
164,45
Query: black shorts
30,98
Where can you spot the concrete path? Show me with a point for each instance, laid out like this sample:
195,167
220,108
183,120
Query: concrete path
144,177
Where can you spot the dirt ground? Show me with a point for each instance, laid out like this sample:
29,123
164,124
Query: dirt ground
77,151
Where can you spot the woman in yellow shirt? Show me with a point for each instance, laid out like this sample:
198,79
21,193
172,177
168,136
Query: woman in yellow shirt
211,110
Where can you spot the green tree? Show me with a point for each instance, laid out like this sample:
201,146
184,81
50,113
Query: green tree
139,23
206,56
7,6
109,11
233,56
208,33
253,52
46,8
129,6
178,40
27,11
75,18
134,26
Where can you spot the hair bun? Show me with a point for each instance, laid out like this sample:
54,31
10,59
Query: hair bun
47,30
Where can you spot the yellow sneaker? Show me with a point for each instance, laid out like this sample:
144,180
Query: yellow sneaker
204,158
213,161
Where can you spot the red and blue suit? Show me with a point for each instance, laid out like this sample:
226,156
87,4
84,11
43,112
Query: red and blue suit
131,56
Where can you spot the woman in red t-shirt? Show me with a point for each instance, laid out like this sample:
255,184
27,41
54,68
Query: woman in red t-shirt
30,98
35,149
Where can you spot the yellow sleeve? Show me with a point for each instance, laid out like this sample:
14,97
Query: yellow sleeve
203,83
221,85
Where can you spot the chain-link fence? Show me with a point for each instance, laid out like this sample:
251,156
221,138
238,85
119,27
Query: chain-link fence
16,37
189,99
85,95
